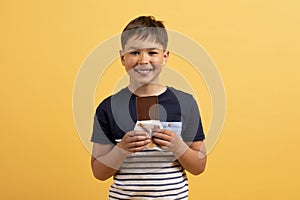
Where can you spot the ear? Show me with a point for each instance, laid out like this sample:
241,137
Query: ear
166,56
121,52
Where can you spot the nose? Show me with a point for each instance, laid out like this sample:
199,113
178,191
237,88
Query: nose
144,58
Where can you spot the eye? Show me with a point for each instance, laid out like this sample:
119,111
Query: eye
152,52
134,53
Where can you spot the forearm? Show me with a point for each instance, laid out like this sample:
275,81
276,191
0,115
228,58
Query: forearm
107,165
193,161
192,156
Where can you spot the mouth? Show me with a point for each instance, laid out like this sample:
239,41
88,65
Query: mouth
143,71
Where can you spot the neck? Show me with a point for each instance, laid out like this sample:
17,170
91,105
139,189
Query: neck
151,89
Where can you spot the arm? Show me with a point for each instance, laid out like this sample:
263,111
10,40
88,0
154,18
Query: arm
107,158
192,157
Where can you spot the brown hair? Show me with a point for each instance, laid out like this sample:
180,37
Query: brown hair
143,27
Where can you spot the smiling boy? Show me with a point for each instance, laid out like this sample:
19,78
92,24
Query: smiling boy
121,150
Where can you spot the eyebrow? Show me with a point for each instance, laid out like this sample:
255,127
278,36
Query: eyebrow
136,48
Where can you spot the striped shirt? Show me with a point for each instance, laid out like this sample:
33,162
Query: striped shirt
150,174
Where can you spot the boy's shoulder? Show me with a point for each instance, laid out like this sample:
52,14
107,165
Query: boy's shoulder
125,92
180,94
121,95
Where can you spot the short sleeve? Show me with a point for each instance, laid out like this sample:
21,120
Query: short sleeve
101,128
192,127
98,136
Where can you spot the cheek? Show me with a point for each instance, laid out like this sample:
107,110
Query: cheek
158,60
127,68
129,64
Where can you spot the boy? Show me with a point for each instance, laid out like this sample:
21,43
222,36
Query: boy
147,157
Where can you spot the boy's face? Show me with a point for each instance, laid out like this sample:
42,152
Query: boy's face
143,61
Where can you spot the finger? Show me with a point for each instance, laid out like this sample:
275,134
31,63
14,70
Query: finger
137,138
165,131
135,133
137,149
137,144
161,142
139,133
162,136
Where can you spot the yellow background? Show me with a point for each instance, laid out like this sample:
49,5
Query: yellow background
255,45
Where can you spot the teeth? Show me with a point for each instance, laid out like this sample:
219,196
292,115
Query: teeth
143,70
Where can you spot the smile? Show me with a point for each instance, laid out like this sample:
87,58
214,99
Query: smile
143,71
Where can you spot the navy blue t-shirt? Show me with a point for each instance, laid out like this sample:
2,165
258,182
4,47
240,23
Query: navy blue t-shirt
116,115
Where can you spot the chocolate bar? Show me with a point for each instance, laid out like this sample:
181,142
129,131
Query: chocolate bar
147,108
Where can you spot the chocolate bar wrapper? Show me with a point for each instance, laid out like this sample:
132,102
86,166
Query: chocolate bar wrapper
148,126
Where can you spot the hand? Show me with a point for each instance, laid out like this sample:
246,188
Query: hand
169,141
134,141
